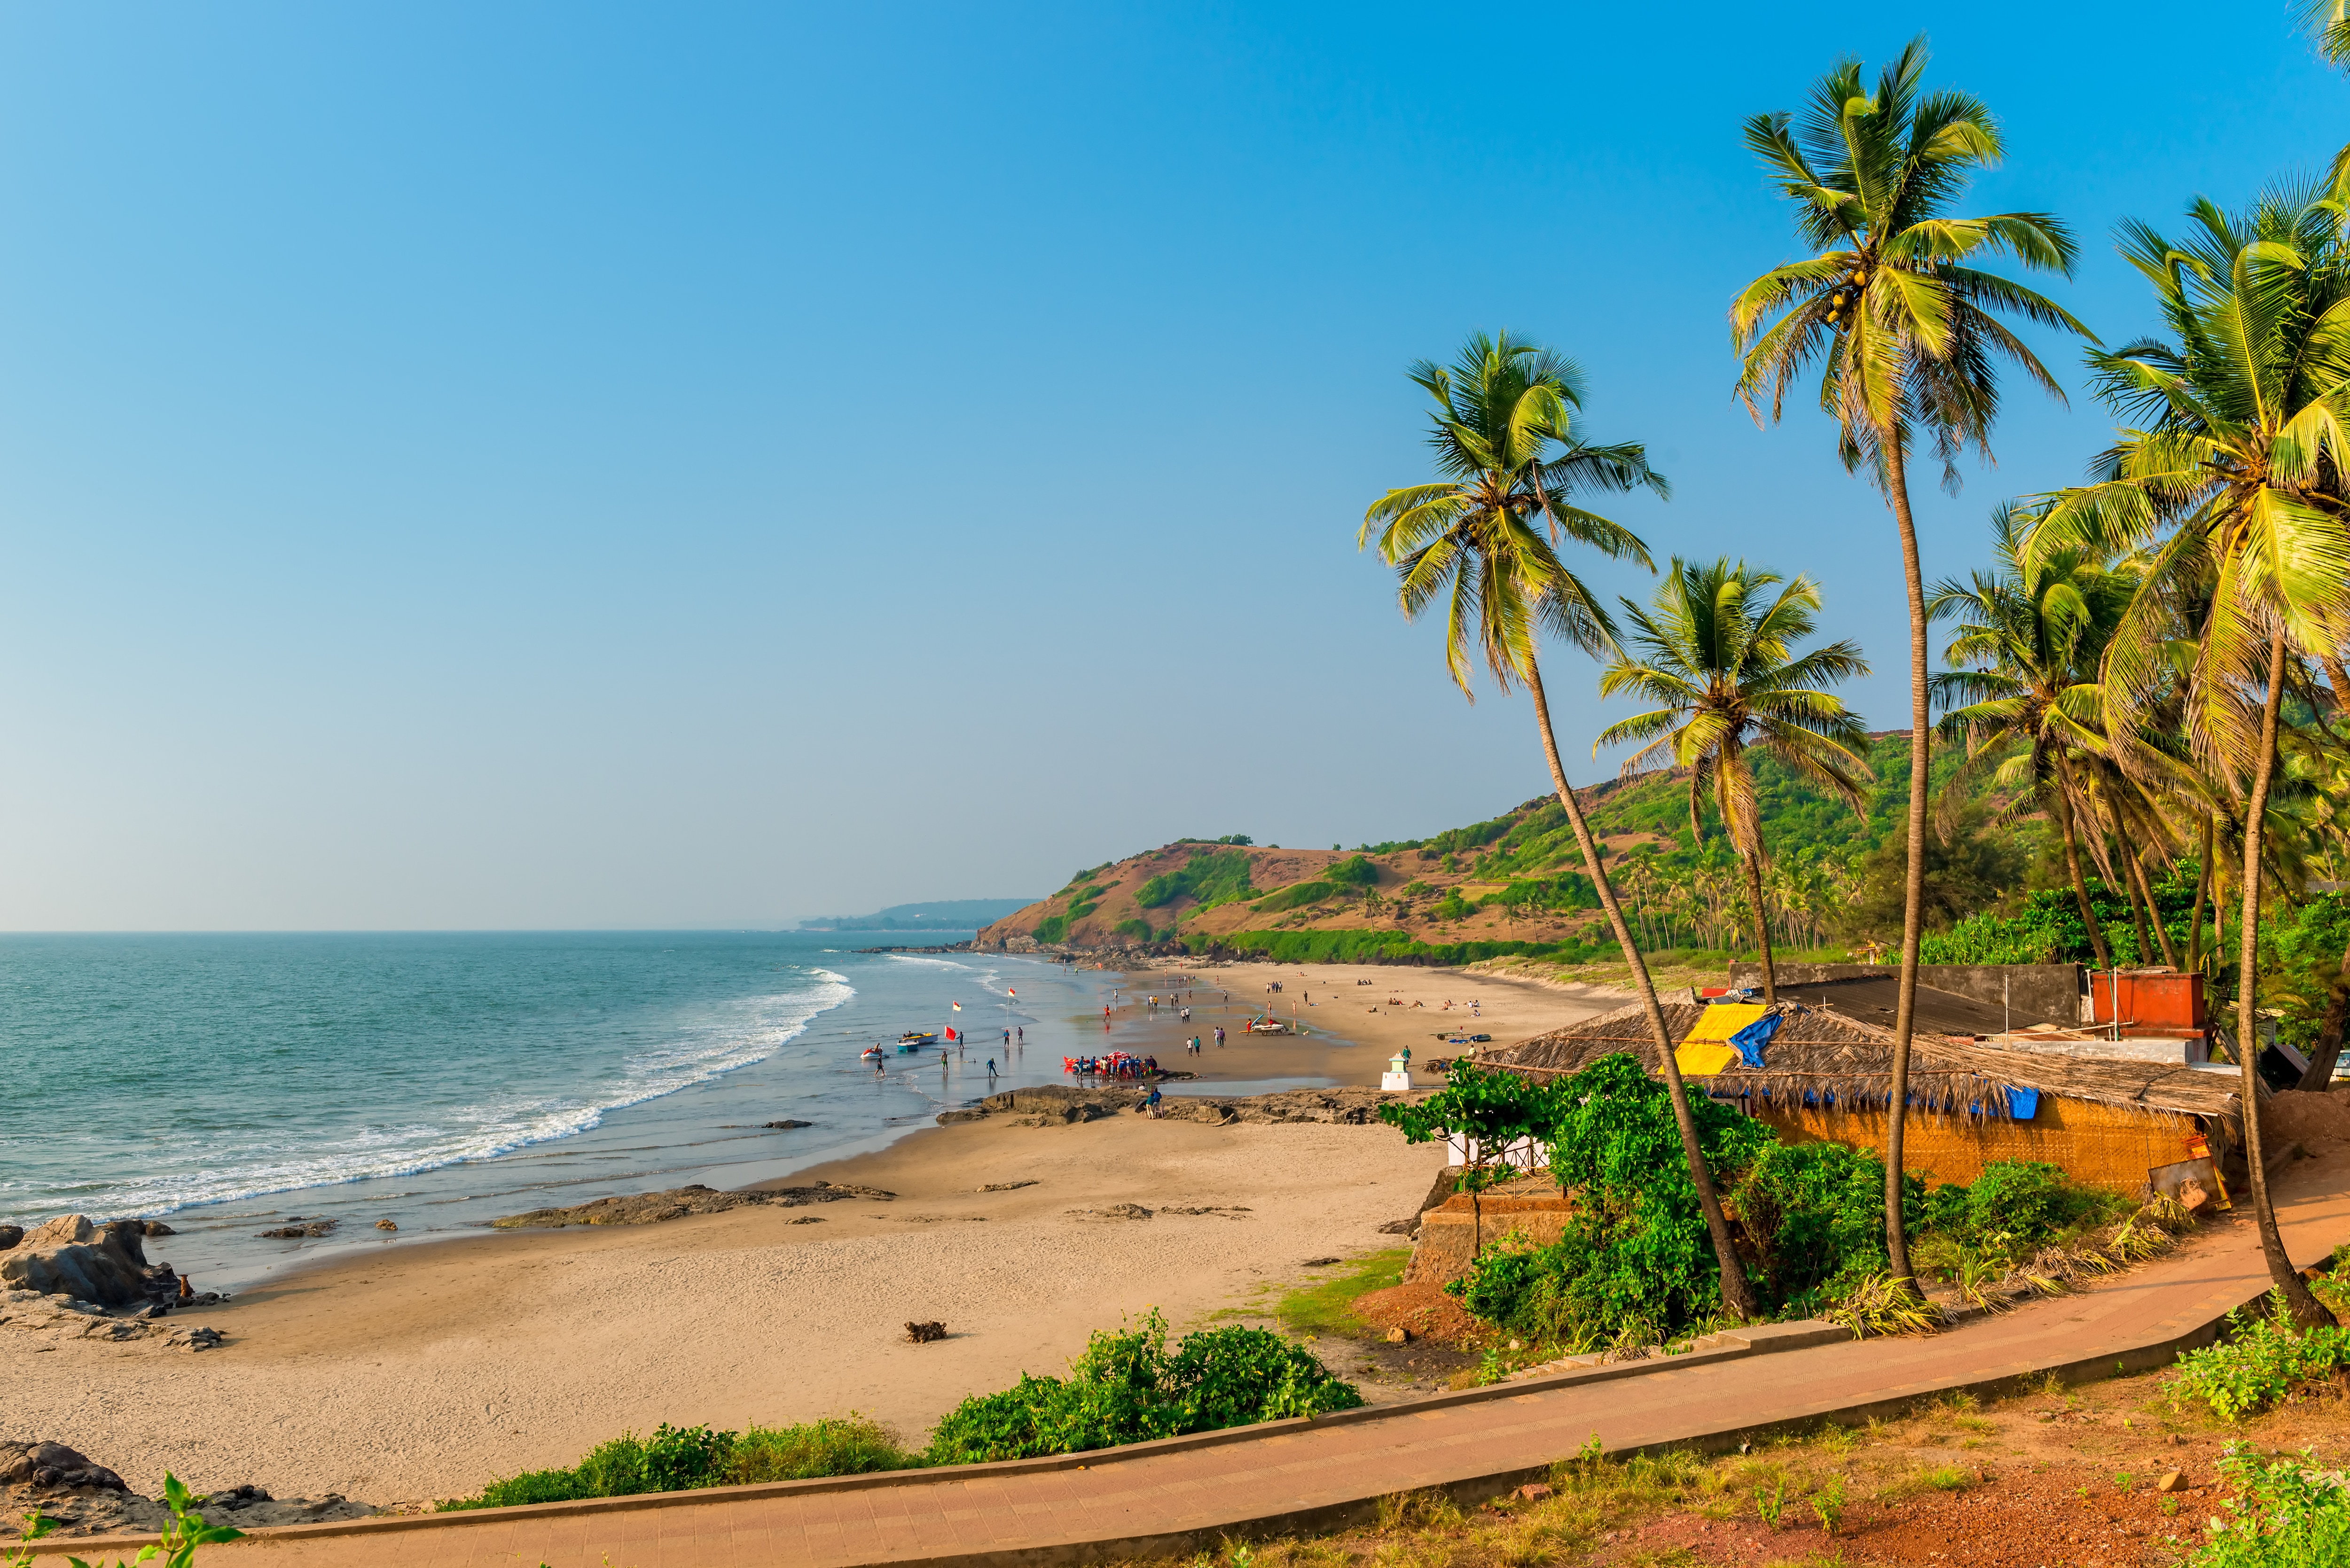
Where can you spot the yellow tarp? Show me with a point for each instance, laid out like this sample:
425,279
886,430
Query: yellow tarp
1707,1049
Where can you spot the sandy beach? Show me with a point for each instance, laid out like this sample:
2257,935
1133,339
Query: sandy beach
424,1371
1355,1015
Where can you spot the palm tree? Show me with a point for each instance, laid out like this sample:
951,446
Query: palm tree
1906,328
2234,481
1718,655
2025,697
1480,539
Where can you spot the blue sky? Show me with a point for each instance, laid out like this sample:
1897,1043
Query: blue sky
586,465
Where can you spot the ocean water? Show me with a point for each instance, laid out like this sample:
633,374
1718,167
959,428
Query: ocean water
227,1084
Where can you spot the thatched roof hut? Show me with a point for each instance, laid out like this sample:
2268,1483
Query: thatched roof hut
1824,1075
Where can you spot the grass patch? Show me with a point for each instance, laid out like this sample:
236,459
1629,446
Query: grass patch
1327,1305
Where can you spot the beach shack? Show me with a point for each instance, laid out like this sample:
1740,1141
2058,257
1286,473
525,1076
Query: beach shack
1816,1074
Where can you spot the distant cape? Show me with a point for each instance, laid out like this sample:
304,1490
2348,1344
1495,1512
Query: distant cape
945,915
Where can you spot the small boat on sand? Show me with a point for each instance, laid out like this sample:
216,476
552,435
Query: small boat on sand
915,1039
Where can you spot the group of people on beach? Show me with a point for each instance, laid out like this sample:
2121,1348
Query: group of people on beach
1115,1064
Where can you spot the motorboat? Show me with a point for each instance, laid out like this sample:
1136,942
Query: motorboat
871,1053
915,1039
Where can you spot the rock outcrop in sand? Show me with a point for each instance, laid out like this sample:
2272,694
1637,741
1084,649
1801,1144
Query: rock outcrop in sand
1061,1105
71,1257
646,1208
85,1498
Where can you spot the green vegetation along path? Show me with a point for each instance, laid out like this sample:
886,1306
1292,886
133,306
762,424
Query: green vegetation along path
1179,1495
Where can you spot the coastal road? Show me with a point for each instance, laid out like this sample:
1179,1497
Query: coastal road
1185,1494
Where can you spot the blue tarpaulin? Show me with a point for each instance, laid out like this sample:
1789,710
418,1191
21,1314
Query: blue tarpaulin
1750,1040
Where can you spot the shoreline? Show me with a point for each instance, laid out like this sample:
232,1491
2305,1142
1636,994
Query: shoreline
426,1368
392,1378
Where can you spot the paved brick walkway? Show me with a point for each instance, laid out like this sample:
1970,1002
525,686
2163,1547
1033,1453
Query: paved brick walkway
1173,1496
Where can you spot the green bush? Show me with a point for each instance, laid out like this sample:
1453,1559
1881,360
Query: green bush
1634,1263
1053,928
1814,1218
1127,1389
682,1459
1453,906
2288,1513
1354,871
2048,929
2261,1363
1209,877
1294,895
1139,929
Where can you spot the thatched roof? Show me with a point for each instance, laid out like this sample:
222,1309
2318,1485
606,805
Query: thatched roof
1824,1057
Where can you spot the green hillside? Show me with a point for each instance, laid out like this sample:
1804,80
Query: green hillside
1514,884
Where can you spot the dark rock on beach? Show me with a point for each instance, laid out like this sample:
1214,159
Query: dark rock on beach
649,1207
71,1257
10,1235
307,1229
1062,1105
85,1498
784,1126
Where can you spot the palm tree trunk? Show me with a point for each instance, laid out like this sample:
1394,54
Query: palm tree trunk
2326,1049
1737,1295
2138,910
2154,913
2306,1308
1761,927
2202,889
2073,864
1913,890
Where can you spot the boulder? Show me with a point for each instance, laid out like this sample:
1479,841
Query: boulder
10,1235
70,1257
41,1468
81,1497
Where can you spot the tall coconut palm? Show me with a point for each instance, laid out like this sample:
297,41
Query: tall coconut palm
1481,539
1894,304
1717,651
2233,477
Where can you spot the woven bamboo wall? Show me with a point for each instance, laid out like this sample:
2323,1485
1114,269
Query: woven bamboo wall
2113,1149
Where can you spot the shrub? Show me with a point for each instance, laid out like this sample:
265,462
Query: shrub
682,1459
1053,928
1127,1389
1295,894
2016,1205
1813,1216
1635,1264
1209,877
2288,1514
2261,1363
1354,871
1139,929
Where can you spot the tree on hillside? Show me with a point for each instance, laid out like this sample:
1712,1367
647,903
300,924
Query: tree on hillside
1481,540
2230,473
1893,303
1717,651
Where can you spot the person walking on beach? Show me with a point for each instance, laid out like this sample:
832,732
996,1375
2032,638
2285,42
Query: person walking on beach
991,1069
1220,1035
